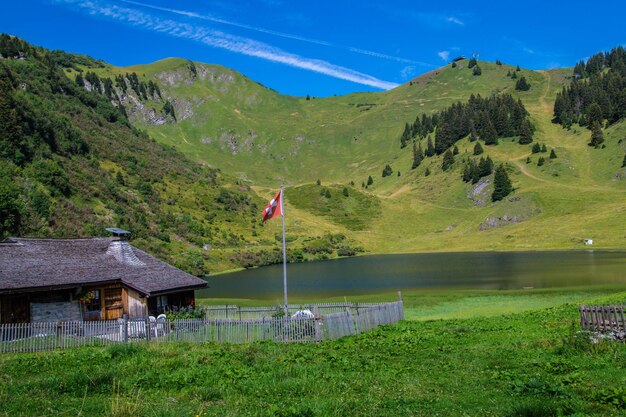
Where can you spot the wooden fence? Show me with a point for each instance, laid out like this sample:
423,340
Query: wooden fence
604,319
260,313
29,337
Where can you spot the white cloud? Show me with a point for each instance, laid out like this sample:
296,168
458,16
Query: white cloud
444,55
274,32
407,72
236,44
455,20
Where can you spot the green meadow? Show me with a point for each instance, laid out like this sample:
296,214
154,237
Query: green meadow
265,139
459,353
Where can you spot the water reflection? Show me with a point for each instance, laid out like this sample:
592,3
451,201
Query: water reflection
372,274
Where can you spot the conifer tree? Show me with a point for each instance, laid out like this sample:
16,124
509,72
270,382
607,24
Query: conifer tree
79,80
518,69
406,135
472,63
501,184
345,192
489,134
540,161
594,114
525,133
318,182
514,75
528,160
473,134
536,148
370,180
418,156
544,149
448,160
470,172
477,71
624,163
387,171
478,149
467,171
552,154
427,172
522,84
597,137
455,150
430,149
485,167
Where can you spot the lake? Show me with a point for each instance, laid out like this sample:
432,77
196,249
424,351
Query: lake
385,273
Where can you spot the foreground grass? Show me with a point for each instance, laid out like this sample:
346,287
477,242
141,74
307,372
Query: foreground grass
532,363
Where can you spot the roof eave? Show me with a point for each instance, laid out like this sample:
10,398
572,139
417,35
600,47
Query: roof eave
178,289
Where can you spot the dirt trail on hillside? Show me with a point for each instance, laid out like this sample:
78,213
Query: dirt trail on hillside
523,170
545,106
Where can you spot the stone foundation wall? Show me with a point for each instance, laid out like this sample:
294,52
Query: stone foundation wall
58,311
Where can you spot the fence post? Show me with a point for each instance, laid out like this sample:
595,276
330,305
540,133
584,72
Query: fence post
59,332
148,329
125,328
318,324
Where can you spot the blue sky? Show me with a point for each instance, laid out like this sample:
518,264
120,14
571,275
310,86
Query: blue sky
324,47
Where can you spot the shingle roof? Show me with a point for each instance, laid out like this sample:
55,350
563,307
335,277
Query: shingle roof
29,264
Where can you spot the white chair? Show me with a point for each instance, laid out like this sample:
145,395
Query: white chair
160,324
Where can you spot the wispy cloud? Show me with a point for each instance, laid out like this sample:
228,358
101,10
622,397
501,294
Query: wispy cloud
433,19
407,72
274,32
217,39
444,55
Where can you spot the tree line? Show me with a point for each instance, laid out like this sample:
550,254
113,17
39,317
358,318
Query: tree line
487,119
597,92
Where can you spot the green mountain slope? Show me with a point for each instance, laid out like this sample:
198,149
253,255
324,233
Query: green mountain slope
245,140
266,138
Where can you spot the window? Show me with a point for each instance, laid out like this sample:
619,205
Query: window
93,305
161,301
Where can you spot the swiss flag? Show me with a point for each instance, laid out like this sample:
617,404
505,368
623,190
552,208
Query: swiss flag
273,208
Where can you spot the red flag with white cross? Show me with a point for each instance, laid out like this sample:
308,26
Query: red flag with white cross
273,208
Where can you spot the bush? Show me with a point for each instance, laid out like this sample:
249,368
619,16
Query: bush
522,84
51,174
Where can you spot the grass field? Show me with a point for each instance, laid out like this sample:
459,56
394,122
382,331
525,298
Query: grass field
266,139
462,353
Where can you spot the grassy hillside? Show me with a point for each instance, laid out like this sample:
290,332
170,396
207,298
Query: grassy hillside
265,139
455,361
238,141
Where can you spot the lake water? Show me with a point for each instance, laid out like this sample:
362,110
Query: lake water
386,273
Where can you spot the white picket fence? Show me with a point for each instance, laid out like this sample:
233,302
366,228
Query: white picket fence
260,313
349,320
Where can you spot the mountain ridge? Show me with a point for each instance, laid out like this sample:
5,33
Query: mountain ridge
325,149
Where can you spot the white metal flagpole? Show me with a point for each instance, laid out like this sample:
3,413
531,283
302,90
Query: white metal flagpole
282,210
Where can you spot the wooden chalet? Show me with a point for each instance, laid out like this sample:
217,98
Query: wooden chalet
87,279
